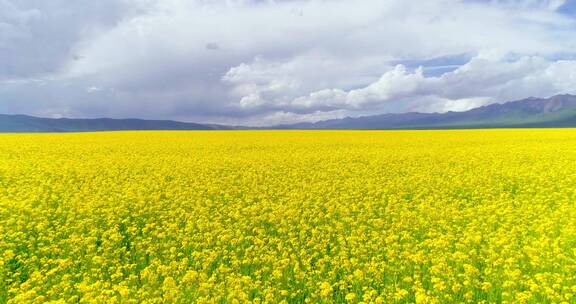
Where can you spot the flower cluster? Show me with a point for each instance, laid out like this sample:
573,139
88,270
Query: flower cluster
289,217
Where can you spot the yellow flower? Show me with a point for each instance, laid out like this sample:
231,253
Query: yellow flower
400,294
288,216
325,290
486,286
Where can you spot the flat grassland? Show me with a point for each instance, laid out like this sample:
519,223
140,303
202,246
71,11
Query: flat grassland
289,216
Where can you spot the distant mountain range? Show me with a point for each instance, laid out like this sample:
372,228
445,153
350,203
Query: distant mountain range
24,123
555,112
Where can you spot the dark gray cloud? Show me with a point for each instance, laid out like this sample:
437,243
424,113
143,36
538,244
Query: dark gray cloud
260,62
38,37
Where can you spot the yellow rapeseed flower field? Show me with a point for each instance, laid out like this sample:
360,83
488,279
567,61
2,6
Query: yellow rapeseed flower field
479,216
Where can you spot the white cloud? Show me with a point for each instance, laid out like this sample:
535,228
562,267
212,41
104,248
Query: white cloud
275,83
254,61
483,80
551,5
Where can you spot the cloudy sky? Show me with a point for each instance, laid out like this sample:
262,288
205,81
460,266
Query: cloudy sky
260,62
